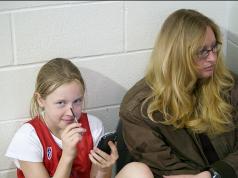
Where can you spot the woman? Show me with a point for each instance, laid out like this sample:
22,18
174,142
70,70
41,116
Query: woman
181,118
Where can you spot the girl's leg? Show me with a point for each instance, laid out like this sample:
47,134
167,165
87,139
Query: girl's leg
135,170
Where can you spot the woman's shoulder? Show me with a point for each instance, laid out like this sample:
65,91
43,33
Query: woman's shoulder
235,77
234,91
135,95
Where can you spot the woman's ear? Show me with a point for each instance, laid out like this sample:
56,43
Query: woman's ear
40,100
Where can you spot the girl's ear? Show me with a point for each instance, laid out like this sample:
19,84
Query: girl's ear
40,100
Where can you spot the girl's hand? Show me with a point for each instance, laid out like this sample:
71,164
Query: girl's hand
102,160
71,135
204,174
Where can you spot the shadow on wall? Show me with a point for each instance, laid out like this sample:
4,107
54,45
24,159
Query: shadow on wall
232,52
103,97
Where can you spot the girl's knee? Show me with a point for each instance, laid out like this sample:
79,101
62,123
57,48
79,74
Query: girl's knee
135,169
138,166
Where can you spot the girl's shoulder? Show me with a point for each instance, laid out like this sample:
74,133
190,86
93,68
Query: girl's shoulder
95,123
25,145
96,127
26,128
94,120
25,132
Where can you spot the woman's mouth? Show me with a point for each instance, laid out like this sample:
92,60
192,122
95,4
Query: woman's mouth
209,68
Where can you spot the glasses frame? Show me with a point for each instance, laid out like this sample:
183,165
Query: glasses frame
204,53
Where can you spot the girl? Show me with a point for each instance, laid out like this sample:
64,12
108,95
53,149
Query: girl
54,143
58,142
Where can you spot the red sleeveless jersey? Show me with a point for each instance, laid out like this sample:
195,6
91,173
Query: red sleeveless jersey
52,152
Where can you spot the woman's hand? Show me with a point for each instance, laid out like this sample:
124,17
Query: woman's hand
102,161
205,174
70,137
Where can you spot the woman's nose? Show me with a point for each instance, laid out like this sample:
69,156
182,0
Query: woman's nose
211,56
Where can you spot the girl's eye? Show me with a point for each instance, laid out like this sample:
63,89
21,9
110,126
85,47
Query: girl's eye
60,103
78,101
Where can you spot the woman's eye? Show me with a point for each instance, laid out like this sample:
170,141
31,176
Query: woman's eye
204,52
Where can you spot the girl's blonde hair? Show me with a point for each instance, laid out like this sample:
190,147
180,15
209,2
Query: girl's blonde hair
52,75
204,106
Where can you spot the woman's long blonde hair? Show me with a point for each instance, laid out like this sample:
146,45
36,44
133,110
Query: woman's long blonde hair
52,75
185,101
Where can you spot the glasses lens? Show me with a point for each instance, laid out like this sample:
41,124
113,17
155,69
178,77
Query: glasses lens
203,53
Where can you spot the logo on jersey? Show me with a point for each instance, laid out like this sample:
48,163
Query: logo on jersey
49,153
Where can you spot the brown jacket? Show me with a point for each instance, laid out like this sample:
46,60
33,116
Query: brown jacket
170,151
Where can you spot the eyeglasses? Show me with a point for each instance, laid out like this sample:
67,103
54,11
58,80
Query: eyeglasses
204,53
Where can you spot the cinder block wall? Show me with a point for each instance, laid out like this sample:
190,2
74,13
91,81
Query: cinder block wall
232,34
109,41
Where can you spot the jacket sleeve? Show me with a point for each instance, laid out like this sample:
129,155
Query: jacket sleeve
148,146
228,167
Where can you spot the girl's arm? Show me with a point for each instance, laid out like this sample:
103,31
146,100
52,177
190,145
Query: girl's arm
32,169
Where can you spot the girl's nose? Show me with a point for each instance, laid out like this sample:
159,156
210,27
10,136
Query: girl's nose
69,109
72,112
